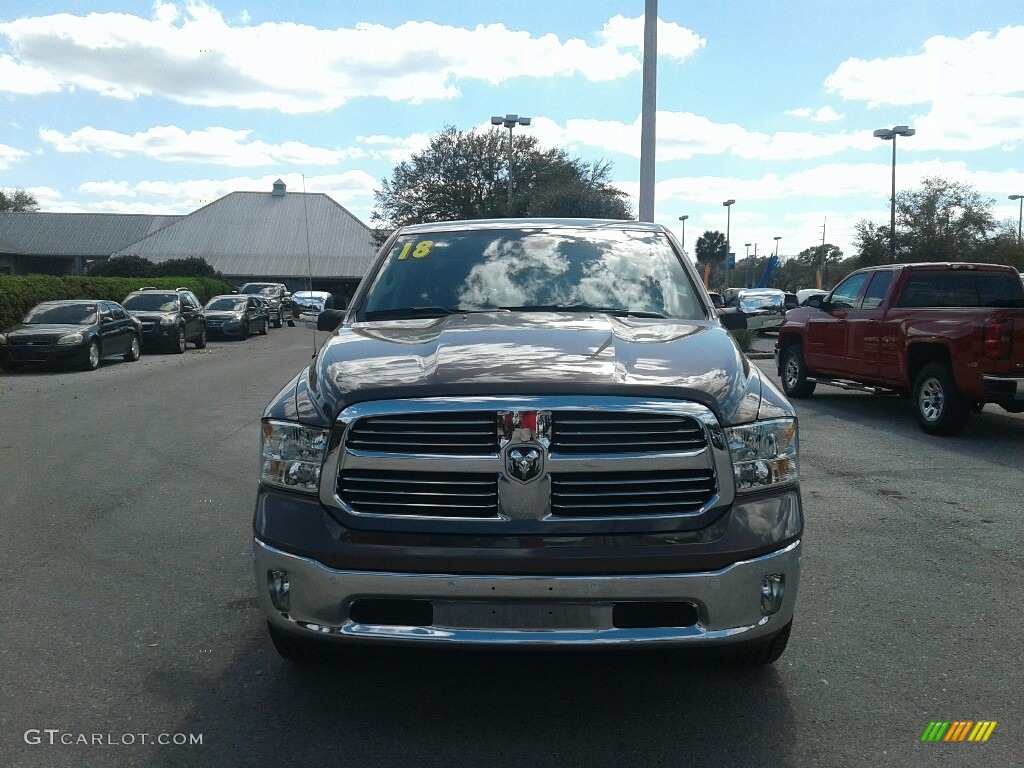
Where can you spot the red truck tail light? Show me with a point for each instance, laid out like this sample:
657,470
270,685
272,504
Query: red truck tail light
998,334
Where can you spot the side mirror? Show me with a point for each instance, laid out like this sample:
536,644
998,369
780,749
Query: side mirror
817,302
732,319
329,319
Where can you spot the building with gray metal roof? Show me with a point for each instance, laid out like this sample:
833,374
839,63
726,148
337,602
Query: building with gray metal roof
65,243
278,236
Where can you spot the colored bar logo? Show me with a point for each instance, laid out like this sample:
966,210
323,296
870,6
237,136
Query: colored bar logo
959,730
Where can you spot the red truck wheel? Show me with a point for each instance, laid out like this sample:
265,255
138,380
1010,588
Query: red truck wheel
794,373
939,407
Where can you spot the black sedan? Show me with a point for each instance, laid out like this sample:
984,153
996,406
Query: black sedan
235,315
79,332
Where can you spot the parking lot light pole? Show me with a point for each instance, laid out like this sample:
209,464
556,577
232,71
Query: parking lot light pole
777,238
683,241
510,122
728,219
890,134
1020,214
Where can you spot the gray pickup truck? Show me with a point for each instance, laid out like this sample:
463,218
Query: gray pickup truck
529,433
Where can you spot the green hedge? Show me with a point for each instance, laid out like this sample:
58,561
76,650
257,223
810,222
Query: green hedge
19,293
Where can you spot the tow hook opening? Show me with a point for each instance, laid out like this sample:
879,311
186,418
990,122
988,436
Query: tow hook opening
647,615
279,587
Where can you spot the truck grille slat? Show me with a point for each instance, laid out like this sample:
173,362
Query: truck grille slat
617,433
463,434
431,494
656,492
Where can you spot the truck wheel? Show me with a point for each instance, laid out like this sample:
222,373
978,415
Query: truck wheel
179,341
297,649
794,373
201,341
763,651
939,407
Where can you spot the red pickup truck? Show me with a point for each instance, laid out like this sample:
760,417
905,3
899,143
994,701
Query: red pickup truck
950,336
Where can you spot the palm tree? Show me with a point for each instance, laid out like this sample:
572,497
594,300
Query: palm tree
710,251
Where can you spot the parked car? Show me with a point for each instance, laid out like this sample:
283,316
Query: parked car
277,296
949,335
534,433
74,332
170,318
312,303
716,299
805,293
264,306
235,315
763,308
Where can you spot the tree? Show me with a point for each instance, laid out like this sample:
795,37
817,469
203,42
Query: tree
122,266
17,201
194,266
802,270
710,252
464,175
943,221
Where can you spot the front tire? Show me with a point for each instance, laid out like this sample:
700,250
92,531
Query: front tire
180,342
134,350
201,341
939,407
92,358
263,330
794,373
245,331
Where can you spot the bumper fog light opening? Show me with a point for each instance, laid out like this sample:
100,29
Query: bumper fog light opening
772,588
280,590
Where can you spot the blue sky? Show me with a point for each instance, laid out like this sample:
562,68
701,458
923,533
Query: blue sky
161,107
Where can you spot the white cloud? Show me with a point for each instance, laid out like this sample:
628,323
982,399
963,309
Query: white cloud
683,135
185,196
21,78
192,55
223,146
394,149
9,156
820,115
674,41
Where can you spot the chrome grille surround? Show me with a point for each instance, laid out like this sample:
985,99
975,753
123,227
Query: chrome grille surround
701,463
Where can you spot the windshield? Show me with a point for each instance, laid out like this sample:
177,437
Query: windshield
152,302
226,305
752,302
62,314
620,270
261,288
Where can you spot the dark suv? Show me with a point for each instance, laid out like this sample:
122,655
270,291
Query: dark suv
277,296
170,318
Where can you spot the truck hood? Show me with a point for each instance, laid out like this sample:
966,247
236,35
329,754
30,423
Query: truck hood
529,354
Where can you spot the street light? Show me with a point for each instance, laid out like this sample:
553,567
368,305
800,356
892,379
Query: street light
683,241
1020,214
890,134
747,259
777,238
728,215
510,122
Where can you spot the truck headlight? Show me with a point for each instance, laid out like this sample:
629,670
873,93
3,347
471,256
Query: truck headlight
764,454
71,338
291,455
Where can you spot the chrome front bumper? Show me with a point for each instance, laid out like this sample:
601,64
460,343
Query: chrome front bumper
530,610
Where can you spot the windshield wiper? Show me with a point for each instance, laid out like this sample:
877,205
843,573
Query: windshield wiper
408,312
617,311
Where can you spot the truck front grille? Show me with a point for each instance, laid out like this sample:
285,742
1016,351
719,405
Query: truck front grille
537,462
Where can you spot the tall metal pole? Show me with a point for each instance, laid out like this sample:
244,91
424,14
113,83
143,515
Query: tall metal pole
892,213
510,170
728,220
648,110
683,240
